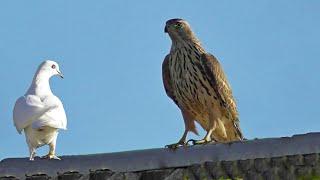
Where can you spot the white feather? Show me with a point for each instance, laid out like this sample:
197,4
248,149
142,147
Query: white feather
39,113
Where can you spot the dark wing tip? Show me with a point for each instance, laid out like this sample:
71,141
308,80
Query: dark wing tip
167,80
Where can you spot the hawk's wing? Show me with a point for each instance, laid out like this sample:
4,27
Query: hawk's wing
219,83
167,79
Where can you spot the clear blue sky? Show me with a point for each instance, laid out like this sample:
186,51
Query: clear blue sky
111,54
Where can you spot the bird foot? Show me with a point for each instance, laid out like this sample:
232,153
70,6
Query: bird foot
31,158
197,142
176,145
50,156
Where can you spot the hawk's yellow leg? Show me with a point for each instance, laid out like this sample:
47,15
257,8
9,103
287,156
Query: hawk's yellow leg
181,142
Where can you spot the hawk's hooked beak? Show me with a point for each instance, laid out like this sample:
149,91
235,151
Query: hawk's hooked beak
166,29
60,74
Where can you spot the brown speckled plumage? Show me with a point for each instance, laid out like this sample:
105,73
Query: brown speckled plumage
194,79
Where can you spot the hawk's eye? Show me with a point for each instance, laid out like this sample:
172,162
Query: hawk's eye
178,25
53,66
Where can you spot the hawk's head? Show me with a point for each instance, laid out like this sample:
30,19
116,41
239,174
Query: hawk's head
179,30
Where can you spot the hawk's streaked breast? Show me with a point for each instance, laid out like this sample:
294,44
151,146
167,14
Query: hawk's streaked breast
191,86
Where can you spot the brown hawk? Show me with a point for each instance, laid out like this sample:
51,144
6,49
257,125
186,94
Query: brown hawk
195,81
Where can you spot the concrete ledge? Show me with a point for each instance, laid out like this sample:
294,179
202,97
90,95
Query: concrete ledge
160,159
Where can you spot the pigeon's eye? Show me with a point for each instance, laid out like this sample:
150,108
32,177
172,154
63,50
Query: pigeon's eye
178,26
53,66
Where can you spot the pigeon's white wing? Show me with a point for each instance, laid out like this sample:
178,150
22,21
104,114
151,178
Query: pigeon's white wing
27,109
55,118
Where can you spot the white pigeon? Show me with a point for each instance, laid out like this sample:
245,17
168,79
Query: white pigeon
39,113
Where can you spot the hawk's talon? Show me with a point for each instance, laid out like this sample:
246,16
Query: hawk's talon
197,142
192,141
176,145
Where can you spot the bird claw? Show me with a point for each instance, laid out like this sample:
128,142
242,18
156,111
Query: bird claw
174,146
192,141
50,156
197,142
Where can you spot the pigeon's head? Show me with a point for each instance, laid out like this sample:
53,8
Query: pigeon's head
50,68
179,29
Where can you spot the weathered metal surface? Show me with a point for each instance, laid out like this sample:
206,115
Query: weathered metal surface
142,160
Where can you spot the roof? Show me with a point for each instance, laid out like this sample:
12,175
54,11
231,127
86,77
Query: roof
236,159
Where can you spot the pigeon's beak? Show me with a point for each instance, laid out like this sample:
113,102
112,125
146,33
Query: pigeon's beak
60,74
166,29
